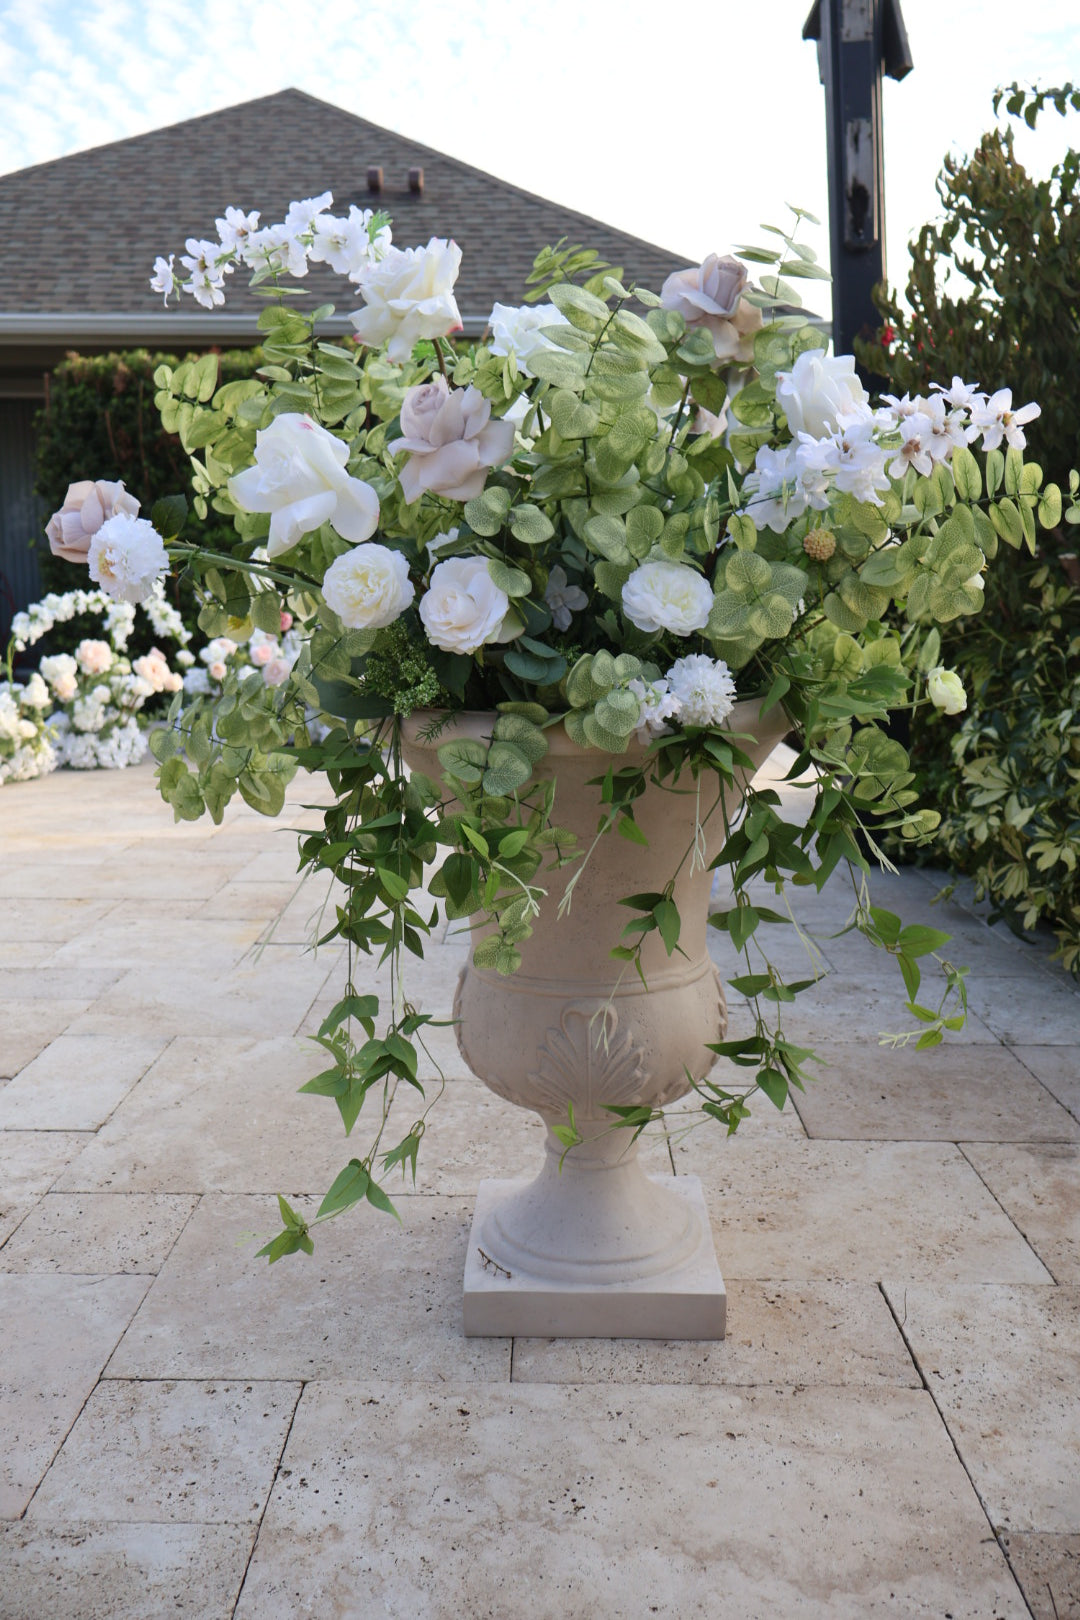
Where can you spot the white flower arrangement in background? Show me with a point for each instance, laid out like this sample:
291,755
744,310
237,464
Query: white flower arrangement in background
26,738
91,698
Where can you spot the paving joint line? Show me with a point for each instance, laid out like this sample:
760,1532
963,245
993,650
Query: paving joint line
956,1449
1021,1234
274,1479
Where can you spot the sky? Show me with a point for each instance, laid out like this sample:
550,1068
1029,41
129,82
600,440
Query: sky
688,125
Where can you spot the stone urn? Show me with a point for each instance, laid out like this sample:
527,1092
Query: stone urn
593,1246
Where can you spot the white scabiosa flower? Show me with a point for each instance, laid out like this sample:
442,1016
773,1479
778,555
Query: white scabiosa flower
127,557
703,688
667,596
368,587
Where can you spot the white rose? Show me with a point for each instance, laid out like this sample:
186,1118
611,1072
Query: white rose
819,391
127,557
94,657
667,596
368,587
945,690
463,609
517,331
409,296
36,693
299,477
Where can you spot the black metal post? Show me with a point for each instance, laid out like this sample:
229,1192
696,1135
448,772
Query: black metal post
856,39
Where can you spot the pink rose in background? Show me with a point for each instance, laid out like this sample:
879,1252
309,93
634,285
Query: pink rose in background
286,622
154,670
709,295
451,441
87,505
94,657
217,670
261,654
276,671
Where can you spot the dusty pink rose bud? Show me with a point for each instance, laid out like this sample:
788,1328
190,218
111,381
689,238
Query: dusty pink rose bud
262,654
286,622
710,295
451,441
87,505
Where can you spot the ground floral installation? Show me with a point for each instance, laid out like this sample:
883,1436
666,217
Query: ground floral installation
92,696
570,524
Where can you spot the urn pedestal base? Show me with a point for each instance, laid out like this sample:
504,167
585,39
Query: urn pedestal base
504,1299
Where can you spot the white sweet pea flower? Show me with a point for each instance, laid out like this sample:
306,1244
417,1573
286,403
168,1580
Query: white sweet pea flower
773,494
658,706
127,557
946,428
819,390
703,688
409,296
347,245
235,227
962,395
163,280
299,477
916,433
667,596
995,419
368,587
302,217
276,249
563,598
518,331
945,690
463,609
206,274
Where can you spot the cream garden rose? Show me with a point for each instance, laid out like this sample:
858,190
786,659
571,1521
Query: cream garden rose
87,505
463,609
518,331
408,296
945,690
667,596
299,477
451,441
819,391
368,587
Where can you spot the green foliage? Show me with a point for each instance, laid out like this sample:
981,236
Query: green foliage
100,421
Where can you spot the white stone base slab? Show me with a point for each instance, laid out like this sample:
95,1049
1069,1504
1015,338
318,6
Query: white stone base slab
687,1302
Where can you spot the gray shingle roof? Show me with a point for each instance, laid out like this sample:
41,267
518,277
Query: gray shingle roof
80,234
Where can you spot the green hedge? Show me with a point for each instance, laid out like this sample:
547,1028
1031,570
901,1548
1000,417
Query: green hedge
100,421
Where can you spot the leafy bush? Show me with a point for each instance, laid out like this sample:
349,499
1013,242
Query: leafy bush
99,421
993,292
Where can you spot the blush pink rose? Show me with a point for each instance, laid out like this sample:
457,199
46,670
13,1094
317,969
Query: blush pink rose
451,441
709,295
94,657
276,671
87,505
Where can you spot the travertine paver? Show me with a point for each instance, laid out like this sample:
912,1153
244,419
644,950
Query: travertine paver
1003,1364
375,1296
958,1093
106,1233
77,1081
56,1333
1038,1186
792,1209
779,1333
87,1571
175,1452
540,1501
537,1478
1058,1068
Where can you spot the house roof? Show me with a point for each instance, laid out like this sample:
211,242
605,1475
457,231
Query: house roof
79,235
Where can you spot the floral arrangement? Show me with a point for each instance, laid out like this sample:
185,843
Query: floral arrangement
26,737
576,524
94,695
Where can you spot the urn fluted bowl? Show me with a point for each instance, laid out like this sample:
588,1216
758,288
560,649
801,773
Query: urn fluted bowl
576,1026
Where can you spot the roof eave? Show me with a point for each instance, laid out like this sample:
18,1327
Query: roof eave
166,327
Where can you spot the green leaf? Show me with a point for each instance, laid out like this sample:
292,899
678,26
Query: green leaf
168,516
486,513
916,940
669,923
348,1188
379,1200
530,525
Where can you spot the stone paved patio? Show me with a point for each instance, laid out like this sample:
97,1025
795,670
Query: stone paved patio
891,1427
